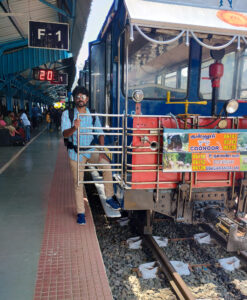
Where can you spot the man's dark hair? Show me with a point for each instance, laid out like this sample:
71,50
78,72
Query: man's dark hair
80,90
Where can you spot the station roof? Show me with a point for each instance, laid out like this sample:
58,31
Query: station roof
17,60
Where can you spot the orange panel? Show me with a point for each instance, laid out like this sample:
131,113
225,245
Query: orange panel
170,180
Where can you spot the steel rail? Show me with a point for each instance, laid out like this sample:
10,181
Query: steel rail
178,285
243,256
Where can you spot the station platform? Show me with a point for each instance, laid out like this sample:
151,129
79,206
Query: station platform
44,253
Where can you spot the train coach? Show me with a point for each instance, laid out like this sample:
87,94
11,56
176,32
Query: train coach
169,81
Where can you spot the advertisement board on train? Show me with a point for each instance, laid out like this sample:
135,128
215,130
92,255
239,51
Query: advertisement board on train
205,150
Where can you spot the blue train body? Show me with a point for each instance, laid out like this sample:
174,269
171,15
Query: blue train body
192,74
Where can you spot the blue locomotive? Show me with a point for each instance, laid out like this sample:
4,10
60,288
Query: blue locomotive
169,81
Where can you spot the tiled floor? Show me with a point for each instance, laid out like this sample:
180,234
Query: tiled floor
45,244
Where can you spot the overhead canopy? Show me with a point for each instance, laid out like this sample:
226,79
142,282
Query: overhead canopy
15,15
184,17
17,60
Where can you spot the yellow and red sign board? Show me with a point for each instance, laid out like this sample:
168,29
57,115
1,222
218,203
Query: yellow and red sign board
213,142
206,151
216,162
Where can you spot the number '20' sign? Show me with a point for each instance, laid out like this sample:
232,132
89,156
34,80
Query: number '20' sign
48,35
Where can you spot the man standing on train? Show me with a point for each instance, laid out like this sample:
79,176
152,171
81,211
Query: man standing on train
69,130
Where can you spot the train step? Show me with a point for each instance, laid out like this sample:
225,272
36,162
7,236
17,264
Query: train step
110,213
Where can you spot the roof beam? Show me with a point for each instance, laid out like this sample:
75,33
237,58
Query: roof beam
16,44
13,21
59,10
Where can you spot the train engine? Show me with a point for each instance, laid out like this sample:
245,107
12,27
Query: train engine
171,91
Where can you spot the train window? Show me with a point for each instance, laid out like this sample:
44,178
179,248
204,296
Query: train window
97,79
184,78
156,68
171,80
243,76
108,74
228,80
205,84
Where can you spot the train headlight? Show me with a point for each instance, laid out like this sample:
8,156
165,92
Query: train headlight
232,106
138,95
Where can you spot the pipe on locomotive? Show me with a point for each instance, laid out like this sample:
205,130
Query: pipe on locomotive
153,145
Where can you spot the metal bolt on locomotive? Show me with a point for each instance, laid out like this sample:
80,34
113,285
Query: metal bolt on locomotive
168,80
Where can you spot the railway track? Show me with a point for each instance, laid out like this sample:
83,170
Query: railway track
203,259
206,281
178,285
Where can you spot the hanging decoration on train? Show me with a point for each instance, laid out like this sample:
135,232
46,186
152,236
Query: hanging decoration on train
229,1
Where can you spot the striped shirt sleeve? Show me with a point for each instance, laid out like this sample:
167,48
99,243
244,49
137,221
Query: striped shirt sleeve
65,121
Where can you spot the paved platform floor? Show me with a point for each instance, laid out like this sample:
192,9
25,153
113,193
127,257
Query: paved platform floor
44,253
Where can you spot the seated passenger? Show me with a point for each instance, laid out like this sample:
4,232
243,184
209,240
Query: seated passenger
2,122
15,138
8,119
80,95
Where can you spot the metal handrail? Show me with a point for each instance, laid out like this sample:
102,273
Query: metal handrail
97,181
146,128
98,169
102,115
90,151
151,165
125,151
138,134
101,149
151,182
142,153
97,133
103,128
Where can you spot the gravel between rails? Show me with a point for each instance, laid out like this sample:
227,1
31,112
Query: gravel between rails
121,263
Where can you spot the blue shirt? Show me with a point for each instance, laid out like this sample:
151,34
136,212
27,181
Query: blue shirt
35,111
85,140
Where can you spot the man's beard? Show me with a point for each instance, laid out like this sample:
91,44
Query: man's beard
81,104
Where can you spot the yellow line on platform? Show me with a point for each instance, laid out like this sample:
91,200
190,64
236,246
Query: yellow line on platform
19,153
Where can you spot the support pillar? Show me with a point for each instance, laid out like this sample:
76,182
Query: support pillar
22,100
30,107
9,98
